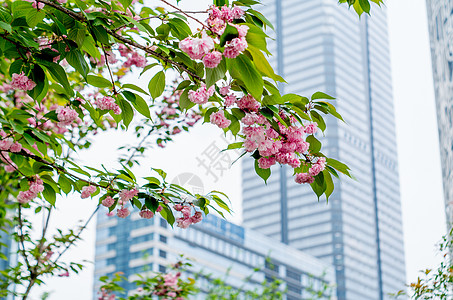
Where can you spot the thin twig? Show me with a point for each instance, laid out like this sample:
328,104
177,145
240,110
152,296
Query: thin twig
184,13
110,71
78,234
158,17
82,18
21,237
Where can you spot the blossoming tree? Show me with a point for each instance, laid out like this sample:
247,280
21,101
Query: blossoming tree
63,78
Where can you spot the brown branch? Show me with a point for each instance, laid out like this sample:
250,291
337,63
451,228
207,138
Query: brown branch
119,37
184,13
158,16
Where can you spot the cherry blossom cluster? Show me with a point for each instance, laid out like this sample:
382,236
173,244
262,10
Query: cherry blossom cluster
187,218
108,103
66,115
106,295
204,47
125,196
36,187
168,287
219,119
202,94
22,82
87,191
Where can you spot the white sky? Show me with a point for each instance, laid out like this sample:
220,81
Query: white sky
420,180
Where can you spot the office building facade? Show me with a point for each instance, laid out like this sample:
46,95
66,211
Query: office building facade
440,21
323,46
217,247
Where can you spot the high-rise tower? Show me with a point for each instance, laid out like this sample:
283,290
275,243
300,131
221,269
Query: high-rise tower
440,20
319,46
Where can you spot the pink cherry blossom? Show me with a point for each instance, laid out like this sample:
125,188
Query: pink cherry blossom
66,115
201,95
224,90
311,128
266,163
22,82
304,178
219,119
126,195
108,103
230,100
5,144
123,212
196,48
87,191
248,103
16,147
212,59
237,12
234,47
146,214
108,202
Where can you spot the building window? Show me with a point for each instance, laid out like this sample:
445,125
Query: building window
162,253
271,266
293,275
163,238
163,223
162,269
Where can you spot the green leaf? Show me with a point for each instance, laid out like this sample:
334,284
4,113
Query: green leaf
263,173
138,102
319,185
365,5
167,214
34,16
242,68
157,84
180,28
100,34
127,113
263,65
49,194
59,74
257,38
162,173
135,88
184,102
318,119
215,74
236,145
99,82
229,33
5,26
261,17
315,145
329,183
321,95
125,4
89,45
65,184
339,166
77,60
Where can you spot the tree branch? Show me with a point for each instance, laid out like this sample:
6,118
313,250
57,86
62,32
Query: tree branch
121,38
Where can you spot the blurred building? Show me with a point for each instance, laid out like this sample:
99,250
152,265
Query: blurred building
440,20
216,247
323,46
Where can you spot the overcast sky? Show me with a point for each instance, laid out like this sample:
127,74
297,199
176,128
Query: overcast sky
421,187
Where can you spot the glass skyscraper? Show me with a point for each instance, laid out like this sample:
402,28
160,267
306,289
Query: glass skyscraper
321,46
440,20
